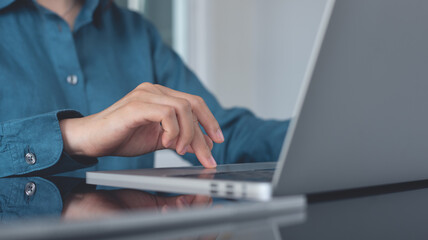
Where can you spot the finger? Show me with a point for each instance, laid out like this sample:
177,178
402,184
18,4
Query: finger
184,113
145,87
138,114
202,200
164,209
201,149
149,87
189,198
182,203
201,110
207,140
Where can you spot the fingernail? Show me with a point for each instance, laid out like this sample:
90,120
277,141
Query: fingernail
184,151
220,135
212,162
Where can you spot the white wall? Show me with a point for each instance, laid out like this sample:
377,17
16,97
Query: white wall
255,49
250,53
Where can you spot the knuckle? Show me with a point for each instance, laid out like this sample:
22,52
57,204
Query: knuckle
157,88
169,112
198,101
145,85
135,93
185,105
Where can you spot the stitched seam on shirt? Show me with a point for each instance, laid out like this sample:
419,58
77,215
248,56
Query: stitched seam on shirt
2,133
14,156
12,194
12,150
1,138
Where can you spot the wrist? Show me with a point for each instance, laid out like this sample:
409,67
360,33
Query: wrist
70,136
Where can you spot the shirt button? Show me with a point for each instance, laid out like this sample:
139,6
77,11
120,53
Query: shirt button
30,158
30,189
72,79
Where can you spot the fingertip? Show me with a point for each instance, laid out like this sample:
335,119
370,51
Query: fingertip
164,209
220,136
213,162
216,136
210,163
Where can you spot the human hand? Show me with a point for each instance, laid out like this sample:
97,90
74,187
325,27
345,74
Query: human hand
101,203
149,118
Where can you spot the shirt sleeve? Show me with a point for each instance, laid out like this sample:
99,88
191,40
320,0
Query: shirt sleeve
247,138
26,197
34,145
35,197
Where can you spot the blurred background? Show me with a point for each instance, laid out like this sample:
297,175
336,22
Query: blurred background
249,53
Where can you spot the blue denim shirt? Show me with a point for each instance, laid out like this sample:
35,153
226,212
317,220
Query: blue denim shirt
109,52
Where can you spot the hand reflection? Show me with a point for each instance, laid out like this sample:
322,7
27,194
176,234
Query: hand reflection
107,202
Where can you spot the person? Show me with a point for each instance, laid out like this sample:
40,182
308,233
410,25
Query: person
87,85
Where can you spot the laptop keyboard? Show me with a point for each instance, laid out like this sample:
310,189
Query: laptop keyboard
261,175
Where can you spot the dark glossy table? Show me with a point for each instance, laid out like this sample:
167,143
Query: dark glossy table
398,211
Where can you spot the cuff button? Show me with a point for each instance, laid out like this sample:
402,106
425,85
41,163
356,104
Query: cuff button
30,158
30,189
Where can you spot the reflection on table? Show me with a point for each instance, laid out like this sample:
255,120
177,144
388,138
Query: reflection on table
389,212
70,198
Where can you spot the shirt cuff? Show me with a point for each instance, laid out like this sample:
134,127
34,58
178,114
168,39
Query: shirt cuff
35,144
28,197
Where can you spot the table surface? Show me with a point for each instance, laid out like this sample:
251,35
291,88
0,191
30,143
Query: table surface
398,211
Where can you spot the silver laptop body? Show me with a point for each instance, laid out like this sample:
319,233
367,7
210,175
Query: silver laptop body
361,118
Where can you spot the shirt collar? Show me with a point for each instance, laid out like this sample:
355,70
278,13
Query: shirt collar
85,16
5,3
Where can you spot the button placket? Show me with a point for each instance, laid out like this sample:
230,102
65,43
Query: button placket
72,79
67,66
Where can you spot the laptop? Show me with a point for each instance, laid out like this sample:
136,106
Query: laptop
361,117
